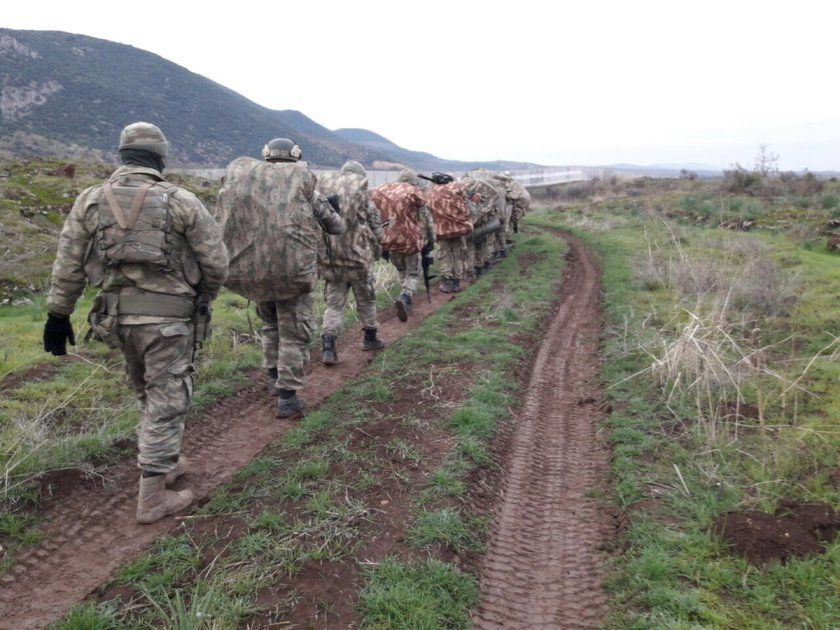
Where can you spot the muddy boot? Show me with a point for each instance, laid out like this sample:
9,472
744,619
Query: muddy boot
155,501
272,382
329,357
371,341
479,271
176,473
445,286
486,267
456,286
503,253
289,404
403,307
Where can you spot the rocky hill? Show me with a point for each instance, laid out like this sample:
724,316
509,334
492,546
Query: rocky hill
66,95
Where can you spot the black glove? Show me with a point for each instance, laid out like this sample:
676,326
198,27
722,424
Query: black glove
57,332
333,199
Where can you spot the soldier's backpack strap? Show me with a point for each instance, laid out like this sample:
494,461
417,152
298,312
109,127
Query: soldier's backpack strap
126,223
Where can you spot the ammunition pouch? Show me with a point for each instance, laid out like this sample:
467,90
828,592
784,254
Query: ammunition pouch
103,320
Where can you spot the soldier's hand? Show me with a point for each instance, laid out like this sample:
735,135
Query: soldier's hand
57,332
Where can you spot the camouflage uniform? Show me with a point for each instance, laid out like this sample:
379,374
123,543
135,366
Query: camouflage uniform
410,266
347,263
480,249
288,323
158,348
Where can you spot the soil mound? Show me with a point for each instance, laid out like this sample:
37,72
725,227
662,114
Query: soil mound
795,530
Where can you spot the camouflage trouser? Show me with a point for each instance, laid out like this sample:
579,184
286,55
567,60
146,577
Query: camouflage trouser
409,268
335,297
286,334
159,364
478,248
452,256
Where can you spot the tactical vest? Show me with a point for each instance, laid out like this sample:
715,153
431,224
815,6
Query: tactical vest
135,224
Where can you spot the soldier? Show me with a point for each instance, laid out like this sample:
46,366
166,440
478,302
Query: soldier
349,258
521,205
408,264
158,257
288,324
453,212
481,188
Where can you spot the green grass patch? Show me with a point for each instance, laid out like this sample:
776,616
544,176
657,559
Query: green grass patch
424,595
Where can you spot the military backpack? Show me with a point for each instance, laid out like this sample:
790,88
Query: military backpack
399,204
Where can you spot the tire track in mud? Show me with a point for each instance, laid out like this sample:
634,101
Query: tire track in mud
543,567
92,530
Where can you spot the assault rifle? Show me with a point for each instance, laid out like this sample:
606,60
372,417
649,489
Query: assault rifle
426,261
438,178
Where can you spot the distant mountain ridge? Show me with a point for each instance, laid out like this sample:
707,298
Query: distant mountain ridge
65,94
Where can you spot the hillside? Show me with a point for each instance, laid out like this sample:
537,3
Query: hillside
66,95
419,159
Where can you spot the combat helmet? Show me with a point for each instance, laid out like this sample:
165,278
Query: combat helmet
281,150
408,176
352,166
143,136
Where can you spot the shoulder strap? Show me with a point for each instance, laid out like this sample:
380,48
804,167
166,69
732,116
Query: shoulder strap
136,204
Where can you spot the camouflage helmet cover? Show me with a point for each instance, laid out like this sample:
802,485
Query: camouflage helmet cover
281,149
144,136
352,166
409,176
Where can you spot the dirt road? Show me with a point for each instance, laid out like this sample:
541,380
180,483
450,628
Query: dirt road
91,528
543,565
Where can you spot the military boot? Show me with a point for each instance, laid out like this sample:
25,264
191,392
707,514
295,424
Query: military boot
479,271
403,305
446,285
176,473
371,341
456,286
272,382
289,404
329,357
155,501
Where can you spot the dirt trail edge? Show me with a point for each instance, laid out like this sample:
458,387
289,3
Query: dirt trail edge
543,567
92,530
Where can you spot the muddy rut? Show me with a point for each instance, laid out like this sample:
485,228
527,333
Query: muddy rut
543,567
91,528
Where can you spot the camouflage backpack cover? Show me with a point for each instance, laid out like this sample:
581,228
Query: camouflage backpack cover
265,213
488,197
448,205
399,204
352,249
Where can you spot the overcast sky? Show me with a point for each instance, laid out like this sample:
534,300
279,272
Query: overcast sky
590,82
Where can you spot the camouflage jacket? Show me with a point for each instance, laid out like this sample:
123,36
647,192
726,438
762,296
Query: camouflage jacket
76,266
354,249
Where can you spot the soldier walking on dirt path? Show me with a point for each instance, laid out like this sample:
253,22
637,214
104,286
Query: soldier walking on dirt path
452,210
288,323
409,228
348,259
158,257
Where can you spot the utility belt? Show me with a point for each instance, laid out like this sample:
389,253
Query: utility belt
108,306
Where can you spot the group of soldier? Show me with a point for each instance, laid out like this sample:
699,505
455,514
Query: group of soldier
159,258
